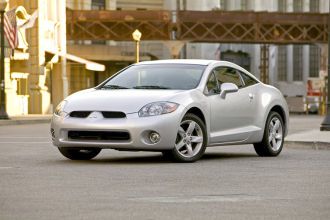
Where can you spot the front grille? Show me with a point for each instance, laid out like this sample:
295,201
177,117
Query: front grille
80,114
99,135
106,114
114,114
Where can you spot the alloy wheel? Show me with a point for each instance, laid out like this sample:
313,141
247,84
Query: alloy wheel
189,139
275,134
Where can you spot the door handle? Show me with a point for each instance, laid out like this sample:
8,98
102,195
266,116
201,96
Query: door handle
251,96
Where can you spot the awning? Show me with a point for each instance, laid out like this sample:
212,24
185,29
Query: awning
90,65
106,53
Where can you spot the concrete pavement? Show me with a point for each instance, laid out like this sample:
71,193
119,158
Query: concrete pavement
229,182
304,132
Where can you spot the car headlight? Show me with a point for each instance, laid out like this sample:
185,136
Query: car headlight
157,108
59,110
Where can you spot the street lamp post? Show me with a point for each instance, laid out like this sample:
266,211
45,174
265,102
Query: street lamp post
325,126
3,113
137,36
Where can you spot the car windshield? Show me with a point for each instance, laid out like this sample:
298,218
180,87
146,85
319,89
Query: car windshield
157,76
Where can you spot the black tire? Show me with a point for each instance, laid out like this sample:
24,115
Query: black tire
167,155
265,148
79,153
175,154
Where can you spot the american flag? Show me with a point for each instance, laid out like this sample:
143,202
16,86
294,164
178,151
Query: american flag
10,28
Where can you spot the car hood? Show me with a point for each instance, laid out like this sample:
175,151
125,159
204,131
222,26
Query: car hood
124,100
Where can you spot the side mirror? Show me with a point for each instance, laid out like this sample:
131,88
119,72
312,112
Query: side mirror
227,88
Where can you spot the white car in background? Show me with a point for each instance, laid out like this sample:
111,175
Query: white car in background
178,107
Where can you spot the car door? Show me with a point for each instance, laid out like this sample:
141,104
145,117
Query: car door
229,116
250,89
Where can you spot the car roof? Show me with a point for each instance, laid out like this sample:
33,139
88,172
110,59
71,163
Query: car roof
189,61
178,61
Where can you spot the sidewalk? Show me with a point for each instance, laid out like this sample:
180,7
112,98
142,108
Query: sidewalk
26,119
304,132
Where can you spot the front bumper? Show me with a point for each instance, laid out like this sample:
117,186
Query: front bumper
138,128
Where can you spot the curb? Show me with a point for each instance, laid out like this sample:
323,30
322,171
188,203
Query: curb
312,145
24,122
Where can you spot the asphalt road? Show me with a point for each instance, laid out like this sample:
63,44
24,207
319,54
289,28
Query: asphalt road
36,182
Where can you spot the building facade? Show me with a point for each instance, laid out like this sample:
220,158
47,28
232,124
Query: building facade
41,72
47,67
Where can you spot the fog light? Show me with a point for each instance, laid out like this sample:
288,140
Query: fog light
154,137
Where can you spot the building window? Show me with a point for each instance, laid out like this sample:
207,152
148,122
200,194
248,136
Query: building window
314,61
297,63
98,4
314,5
281,5
281,66
223,4
245,5
22,86
297,5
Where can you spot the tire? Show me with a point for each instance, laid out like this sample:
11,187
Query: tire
167,154
191,140
273,139
79,153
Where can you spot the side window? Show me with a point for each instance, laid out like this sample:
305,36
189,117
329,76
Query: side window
228,75
212,86
248,81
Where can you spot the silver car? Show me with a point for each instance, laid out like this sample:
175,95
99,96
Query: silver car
177,107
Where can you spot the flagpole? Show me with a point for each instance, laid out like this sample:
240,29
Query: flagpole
3,113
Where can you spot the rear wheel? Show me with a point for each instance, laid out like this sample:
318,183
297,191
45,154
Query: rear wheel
190,141
79,153
272,142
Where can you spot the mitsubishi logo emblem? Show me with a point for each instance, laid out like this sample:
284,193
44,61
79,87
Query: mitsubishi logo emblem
94,115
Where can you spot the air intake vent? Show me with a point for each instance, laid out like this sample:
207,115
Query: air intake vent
114,114
99,135
52,131
80,114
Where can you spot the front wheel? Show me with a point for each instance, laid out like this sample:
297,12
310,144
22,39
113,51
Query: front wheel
272,142
79,153
190,141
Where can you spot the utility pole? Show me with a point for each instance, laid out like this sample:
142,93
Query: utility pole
3,113
325,126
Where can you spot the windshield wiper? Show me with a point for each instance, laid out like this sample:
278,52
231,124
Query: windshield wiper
150,87
113,87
